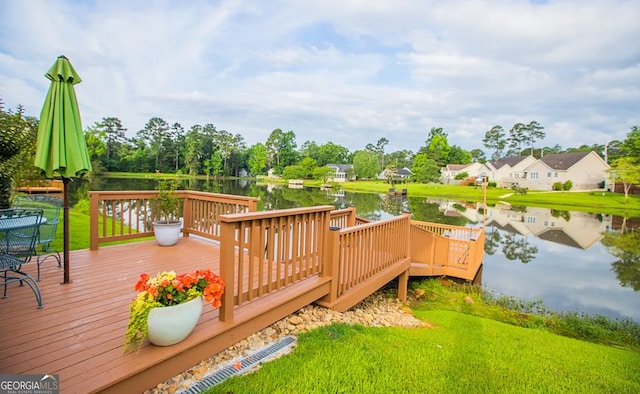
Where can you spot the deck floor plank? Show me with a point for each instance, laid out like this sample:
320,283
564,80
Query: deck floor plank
82,324
79,334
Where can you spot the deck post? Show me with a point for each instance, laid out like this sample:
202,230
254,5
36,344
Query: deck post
93,220
227,257
403,283
351,219
331,263
403,279
187,223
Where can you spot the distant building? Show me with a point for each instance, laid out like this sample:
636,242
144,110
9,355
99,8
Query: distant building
340,172
585,170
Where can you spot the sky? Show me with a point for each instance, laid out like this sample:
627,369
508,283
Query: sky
348,71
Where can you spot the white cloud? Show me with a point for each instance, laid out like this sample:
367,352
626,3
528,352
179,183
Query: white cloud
345,71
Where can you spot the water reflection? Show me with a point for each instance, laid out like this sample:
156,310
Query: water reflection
625,246
573,261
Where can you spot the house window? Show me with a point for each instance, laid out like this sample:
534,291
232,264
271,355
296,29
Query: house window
548,175
531,219
556,174
534,175
546,223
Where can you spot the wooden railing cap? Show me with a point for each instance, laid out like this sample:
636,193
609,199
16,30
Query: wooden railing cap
239,217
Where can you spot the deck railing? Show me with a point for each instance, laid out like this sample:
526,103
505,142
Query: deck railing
342,218
262,252
438,249
124,215
360,253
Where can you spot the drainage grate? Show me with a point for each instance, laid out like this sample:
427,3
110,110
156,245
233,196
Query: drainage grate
245,363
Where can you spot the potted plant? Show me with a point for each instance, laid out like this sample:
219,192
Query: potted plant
167,225
168,306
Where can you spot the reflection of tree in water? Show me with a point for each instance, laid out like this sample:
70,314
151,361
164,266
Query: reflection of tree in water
626,248
492,241
392,205
566,215
518,249
367,205
430,212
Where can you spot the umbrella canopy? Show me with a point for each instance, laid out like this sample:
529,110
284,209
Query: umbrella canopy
61,147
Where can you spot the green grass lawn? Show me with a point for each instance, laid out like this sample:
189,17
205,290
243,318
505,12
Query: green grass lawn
588,201
461,354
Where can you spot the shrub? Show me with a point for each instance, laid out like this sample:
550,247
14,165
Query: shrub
519,190
557,186
492,184
567,185
462,175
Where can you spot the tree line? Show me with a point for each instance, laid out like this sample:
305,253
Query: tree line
206,150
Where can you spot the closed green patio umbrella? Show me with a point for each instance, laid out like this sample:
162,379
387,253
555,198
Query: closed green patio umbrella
62,150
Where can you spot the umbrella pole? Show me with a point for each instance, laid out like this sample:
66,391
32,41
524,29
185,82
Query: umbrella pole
65,213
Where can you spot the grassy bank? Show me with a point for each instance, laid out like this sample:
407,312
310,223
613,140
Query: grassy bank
459,352
588,201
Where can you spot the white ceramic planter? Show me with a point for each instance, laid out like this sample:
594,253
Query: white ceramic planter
167,234
172,324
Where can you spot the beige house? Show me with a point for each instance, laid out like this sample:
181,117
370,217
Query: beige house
586,170
510,171
474,170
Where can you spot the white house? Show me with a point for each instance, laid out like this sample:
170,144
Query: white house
401,173
341,172
510,171
474,170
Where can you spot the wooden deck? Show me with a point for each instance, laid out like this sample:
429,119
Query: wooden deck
79,334
273,263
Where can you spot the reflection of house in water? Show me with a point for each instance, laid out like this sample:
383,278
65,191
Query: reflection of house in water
339,197
576,229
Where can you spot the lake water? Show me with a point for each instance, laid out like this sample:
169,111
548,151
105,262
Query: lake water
530,253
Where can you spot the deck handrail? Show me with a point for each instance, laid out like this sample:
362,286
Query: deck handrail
370,248
447,230
442,249
125,215
366,256
262,252
342,218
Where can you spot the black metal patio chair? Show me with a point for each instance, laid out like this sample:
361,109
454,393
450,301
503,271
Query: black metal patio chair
18,237
50,206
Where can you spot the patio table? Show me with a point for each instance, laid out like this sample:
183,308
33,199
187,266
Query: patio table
18,236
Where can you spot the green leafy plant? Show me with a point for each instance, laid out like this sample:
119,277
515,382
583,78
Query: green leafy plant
167,202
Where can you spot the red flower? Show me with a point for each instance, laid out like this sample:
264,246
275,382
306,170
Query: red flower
168,288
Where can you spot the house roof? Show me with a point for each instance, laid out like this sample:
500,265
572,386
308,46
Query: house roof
511,161
456,167
340,167
563,161
404,171
560,237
